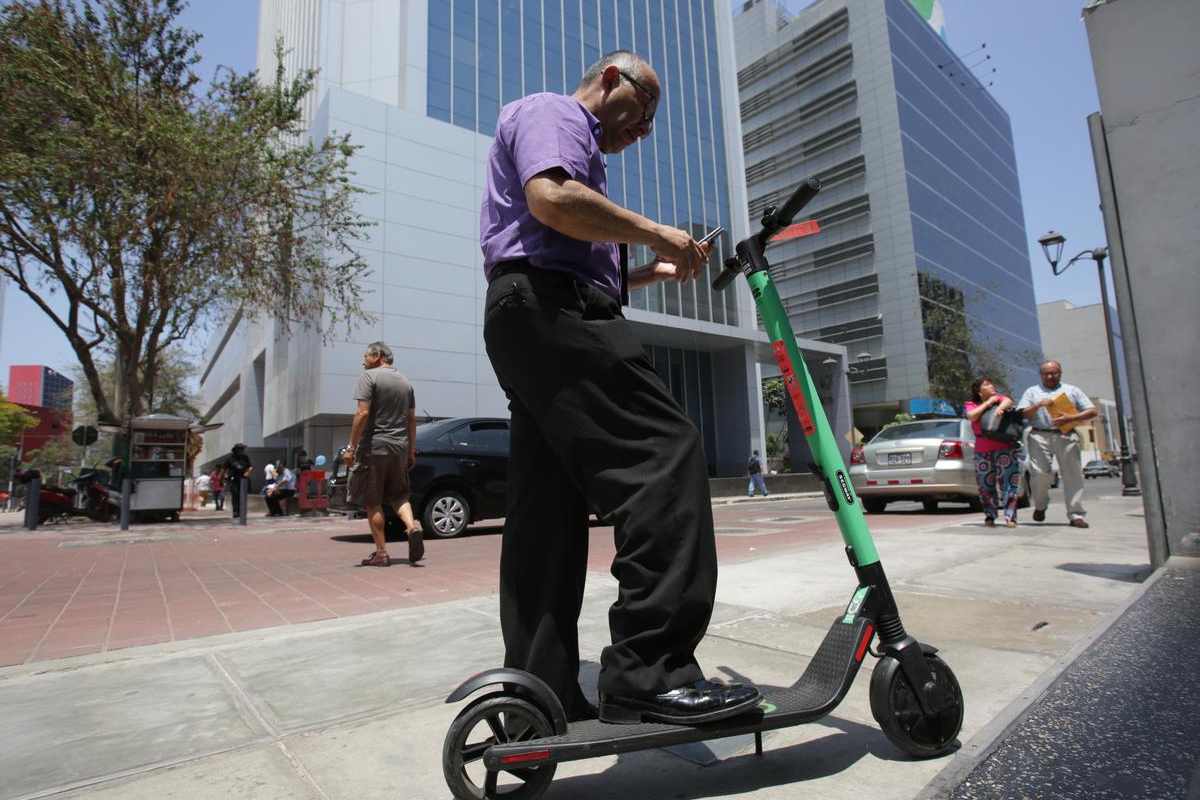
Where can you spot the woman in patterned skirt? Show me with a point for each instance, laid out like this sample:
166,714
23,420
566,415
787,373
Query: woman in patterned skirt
996,468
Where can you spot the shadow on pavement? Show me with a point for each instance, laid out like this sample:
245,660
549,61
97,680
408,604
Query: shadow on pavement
1129,573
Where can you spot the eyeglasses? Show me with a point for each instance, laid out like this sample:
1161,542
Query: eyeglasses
647,117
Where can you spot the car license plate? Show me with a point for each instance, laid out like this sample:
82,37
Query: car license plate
899,458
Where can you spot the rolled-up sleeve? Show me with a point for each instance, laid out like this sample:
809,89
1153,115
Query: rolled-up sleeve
547,132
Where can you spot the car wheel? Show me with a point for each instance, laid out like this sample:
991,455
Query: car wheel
874,505
447,514
929,505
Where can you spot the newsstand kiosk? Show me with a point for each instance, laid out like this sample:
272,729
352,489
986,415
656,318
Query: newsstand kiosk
157,462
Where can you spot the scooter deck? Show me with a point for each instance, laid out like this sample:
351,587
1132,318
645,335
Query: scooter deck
818,691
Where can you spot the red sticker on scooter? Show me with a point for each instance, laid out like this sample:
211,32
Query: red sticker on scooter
797,230
793,387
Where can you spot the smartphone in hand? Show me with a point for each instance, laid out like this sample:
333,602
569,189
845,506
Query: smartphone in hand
711,235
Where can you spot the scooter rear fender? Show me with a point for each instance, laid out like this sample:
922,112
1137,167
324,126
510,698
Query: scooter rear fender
515,681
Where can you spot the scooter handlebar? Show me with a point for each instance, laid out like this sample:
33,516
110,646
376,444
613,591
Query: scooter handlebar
803,195
725,278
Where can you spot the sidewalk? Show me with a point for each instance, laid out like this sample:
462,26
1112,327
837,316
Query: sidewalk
351,706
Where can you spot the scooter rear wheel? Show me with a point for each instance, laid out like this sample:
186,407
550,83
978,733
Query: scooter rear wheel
894,706
491,719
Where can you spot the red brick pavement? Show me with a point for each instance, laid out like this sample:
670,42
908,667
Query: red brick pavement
78,588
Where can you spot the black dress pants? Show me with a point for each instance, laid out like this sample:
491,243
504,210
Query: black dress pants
275,501
595,429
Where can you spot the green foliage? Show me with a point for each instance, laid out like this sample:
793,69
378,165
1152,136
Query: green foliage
13,420
54,455
171,393
899,418
955,347
776,444
774,396
154,210
774,403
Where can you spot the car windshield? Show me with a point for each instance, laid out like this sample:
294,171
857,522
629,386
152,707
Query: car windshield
925,429
1097,463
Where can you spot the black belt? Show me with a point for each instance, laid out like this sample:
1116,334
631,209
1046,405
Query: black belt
523,265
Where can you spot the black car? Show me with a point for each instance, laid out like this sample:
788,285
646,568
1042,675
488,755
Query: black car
461,475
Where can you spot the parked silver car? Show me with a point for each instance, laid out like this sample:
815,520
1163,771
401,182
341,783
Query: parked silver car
1101,469
930,460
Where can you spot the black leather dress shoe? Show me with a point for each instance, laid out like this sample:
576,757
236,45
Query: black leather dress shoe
696,703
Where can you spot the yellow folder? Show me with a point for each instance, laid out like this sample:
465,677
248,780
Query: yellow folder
1060,404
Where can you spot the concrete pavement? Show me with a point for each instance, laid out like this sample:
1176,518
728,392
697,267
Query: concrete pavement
352,706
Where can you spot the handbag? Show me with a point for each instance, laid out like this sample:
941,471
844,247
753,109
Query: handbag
1006,427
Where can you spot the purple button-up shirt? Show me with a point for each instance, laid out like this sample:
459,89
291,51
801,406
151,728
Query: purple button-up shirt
534,134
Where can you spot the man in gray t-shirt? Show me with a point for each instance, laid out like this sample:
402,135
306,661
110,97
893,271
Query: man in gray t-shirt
380,451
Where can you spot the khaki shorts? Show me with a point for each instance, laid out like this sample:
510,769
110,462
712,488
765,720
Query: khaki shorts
376,480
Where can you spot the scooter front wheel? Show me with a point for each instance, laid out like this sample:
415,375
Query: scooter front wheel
895,707
494,719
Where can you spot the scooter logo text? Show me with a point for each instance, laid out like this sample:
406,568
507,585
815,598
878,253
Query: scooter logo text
846,493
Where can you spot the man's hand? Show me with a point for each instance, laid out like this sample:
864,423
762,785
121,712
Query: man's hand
680,257
412,459
663,270
348,457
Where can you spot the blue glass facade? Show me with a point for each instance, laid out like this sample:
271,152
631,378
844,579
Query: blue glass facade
964,197
485,53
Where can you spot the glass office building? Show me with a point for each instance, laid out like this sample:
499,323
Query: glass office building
922,263
419,86
484,55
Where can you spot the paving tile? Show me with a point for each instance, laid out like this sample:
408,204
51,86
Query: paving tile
178,709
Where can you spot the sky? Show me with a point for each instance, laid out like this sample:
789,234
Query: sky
1043,78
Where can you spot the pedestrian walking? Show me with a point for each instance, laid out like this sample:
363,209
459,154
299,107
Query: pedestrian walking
997,471
380,452
216,483
1054,436
756,468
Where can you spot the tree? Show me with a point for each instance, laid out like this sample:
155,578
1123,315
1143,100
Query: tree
152,210
955,349
53,456
13,420
774,401
171,393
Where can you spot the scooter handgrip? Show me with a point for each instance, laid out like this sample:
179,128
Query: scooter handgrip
724,279
799,199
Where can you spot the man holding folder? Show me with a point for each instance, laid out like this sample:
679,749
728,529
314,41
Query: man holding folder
1054,409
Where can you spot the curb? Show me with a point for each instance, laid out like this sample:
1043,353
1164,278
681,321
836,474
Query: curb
988,738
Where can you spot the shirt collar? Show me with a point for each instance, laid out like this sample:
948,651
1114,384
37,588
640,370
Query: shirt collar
593,122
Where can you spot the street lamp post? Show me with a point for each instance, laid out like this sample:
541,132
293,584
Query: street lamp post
1052,245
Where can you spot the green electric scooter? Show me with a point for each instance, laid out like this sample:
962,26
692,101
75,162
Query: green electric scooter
508,741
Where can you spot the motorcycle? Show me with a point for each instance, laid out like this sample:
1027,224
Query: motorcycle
94,499
54,502
89,497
